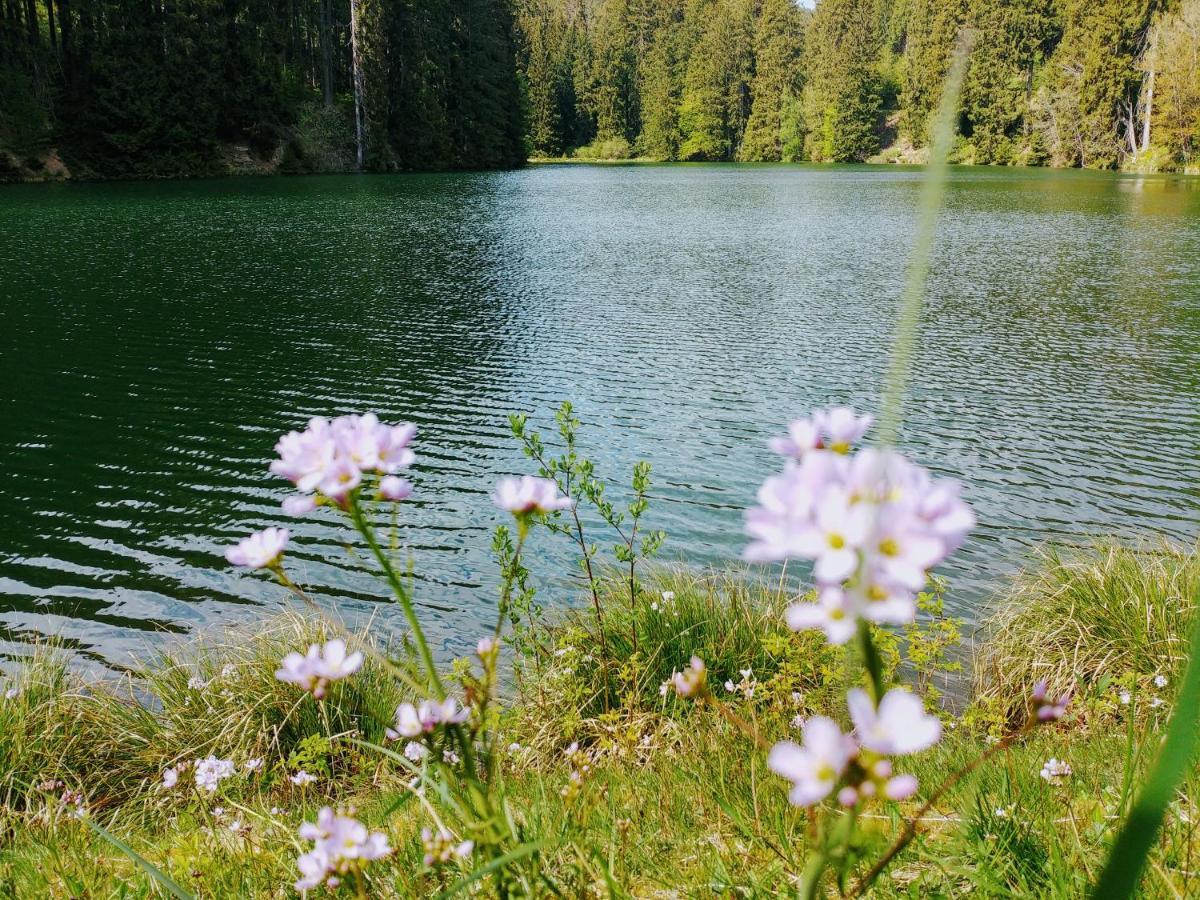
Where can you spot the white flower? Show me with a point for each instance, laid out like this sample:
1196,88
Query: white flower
319,666
259,550
12,693
528,495
218,812
211,770
1055,770
668,596
415,751
450,757
395,489
253,765
1160,681
1124,698
1156,702
730,686
840,427
170,777
196,683
441,847
900,725
301,778
834,612
814,766
514,747
298,505
413,721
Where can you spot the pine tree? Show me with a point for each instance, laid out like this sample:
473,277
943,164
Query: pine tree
1172,67
843,92
1011,41
931,27
778,39
715,105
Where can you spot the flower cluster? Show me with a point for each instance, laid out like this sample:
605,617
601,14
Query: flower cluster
746,686
414,721
441,846
527,496
873,524
209,773
857,761
330,459
260,550
581,768
321,665
1055,770
342,844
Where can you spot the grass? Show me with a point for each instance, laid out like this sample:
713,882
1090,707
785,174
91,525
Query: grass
1086,617
671,800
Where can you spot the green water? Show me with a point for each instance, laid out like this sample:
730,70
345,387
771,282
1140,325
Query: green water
158,337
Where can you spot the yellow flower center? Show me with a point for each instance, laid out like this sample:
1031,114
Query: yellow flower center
888,547
875,592
836,541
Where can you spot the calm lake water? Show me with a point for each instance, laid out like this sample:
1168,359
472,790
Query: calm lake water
158,337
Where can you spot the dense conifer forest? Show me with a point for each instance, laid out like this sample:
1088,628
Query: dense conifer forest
1099,83
116,88
172,87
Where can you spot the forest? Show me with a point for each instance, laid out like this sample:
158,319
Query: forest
150,88
1097,83
179,87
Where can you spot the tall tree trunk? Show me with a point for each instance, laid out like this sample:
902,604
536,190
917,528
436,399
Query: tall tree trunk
359,87
325,33
50,22
64,30
1148,113
31,23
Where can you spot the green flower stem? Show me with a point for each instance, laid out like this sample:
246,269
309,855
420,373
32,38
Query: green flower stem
814,870
511,575
401,592
871,660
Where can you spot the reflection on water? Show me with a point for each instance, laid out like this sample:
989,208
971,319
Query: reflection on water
158,337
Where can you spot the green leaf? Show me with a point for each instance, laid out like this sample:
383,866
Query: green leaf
1127,858
157,874
492,866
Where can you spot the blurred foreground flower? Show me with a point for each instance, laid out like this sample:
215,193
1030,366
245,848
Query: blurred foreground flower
321,665
342,845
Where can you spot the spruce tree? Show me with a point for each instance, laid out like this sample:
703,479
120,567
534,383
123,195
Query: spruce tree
778,38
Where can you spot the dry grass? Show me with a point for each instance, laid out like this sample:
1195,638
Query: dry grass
1078,617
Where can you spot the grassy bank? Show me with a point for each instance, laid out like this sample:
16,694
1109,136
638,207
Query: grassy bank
661,798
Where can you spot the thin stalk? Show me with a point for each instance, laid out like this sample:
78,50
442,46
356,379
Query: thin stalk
933,190
910,827
401,592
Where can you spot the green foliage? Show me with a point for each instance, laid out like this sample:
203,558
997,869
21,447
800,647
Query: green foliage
1065,82
207,86
720,822
843,98
1090,621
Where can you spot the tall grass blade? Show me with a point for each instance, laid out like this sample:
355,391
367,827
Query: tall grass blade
157,874
1127,858
498,863
933,191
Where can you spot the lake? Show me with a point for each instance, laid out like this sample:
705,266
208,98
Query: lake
158,337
